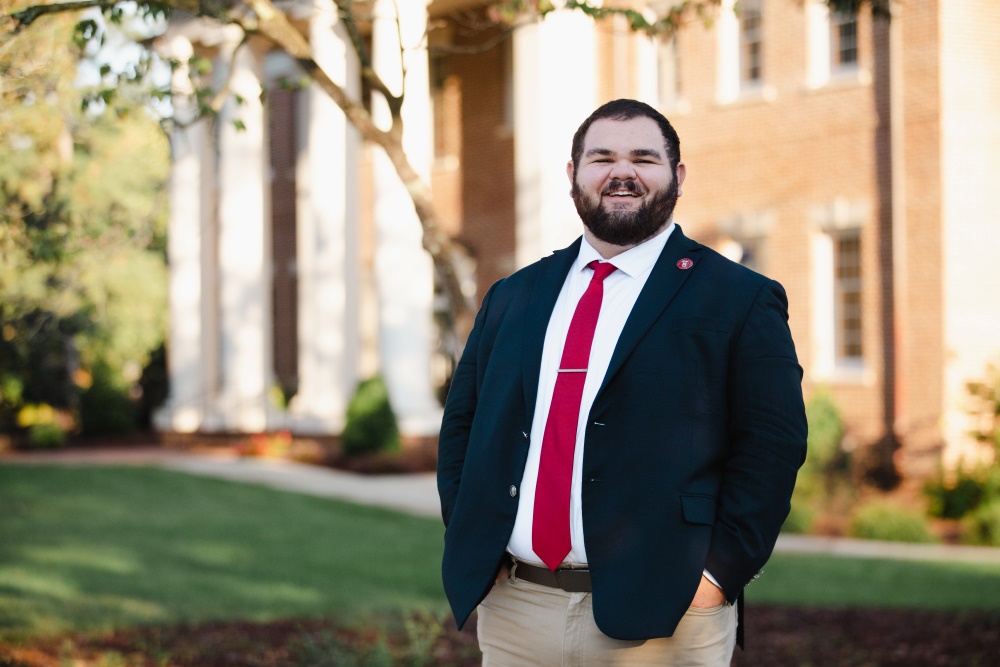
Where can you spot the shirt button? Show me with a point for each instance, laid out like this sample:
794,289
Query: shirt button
513,490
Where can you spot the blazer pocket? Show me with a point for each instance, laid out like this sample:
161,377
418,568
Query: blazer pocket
699,509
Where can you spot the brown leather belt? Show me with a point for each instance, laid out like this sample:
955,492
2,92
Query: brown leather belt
571,580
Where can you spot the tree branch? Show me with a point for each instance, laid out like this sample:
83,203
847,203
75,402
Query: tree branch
368,72
219,99
26,17
397,111
273,25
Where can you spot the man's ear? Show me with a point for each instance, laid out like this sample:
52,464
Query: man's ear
569,175
680,174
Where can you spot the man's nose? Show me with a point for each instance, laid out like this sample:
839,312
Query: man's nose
622,170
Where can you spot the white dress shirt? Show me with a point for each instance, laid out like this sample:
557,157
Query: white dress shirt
621,289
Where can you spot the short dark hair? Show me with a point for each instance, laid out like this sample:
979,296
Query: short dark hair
626,109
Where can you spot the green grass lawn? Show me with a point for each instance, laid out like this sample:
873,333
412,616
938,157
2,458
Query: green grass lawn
85,548
838,581
100,547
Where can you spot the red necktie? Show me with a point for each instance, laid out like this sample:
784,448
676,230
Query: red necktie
550,538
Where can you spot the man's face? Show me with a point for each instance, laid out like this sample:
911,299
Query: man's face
623,188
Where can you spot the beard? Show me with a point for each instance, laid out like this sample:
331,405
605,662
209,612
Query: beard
622,227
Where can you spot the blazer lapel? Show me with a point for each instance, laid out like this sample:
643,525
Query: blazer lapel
550,276
678,260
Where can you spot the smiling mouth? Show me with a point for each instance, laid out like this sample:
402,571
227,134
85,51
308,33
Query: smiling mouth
622,189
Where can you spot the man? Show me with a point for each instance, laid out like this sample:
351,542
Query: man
623,431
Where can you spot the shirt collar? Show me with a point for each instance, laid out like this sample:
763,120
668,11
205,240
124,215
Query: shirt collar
633,262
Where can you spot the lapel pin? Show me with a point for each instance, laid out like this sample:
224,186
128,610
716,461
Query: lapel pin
684,264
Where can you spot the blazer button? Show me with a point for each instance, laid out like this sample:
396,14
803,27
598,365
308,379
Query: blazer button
513,490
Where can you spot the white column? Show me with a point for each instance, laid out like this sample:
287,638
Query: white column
328,266
244,255
404,272
970,246
554,91
186,248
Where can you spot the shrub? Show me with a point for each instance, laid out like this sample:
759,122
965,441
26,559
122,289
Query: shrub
824,476
983,525
800,519
953,499
106,409
884,520
47,435
986,396
826,430
991,485
371,424
45,425
826,465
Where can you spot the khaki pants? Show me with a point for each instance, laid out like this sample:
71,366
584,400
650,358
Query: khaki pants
522,624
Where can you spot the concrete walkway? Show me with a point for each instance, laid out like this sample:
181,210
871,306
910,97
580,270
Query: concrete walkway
417,494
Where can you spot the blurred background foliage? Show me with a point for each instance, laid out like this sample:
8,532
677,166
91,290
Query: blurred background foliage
835,495
83,280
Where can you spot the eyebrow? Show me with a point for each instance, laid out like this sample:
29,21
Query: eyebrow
638,152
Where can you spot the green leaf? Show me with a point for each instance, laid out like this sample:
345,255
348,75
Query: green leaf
84,32
199,65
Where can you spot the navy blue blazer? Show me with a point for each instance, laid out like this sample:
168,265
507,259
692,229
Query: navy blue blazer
692,444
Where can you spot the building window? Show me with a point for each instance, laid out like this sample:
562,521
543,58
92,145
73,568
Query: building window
844,40
847,297
740,53
751,41
832,47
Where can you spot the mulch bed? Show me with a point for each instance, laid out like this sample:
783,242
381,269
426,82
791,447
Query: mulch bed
794,636
777,637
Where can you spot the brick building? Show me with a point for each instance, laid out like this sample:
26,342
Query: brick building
852,159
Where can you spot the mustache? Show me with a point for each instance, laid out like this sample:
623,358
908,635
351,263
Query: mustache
618,184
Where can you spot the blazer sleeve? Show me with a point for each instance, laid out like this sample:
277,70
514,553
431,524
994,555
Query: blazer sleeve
460,408
767,434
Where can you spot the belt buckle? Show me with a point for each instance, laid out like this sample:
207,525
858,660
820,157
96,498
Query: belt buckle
573,581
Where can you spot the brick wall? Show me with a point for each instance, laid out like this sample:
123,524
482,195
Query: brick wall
785,153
